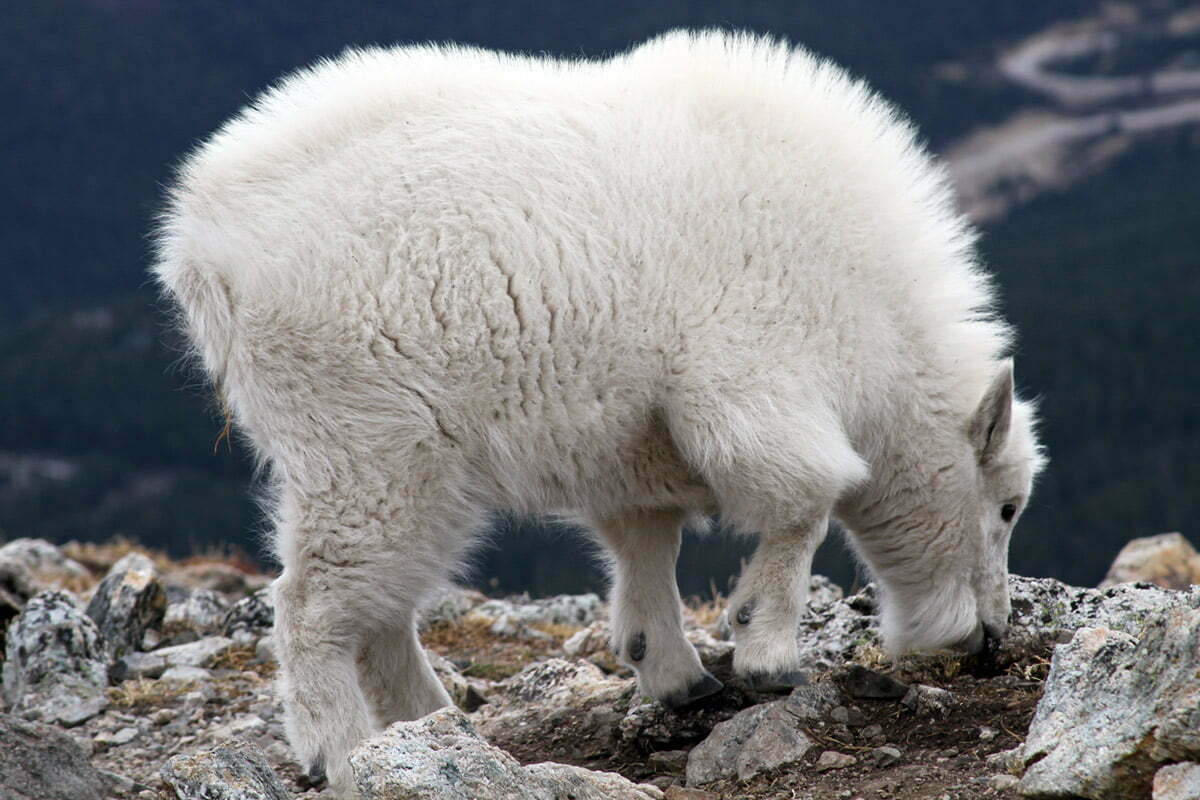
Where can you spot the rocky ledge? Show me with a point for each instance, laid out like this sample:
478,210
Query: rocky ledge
130,676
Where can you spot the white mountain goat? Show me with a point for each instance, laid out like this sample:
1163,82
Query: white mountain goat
711,274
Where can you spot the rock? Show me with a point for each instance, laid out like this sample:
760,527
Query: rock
115,738
885,756
133,561
40,762
559,709
1167,560
757,739
850,716
138,665
55,668
250,618
442,756
866,684
1115,708
126,604
1008,760
196,654
831,759
986,734
29,566
230,772
1046,611
522,618
455,684
186,674
1003,782
928,701
202,611
668,760
813,702
835,627
264,650
448,605
1177,782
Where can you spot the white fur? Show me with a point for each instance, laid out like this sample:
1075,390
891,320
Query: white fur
713,273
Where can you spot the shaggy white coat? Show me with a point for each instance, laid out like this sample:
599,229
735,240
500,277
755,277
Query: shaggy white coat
711,274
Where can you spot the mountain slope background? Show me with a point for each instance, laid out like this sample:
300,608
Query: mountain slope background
104,431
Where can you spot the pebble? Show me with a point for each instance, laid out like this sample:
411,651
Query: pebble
831,759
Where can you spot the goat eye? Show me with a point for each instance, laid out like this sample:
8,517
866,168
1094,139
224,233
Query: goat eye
1007,512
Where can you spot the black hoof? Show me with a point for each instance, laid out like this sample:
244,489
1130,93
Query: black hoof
314,777
773,682
705,687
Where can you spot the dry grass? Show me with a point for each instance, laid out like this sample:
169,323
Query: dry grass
99,558
244,659
142,694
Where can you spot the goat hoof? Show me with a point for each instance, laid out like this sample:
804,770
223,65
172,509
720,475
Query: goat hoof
314,776
774,682
707,686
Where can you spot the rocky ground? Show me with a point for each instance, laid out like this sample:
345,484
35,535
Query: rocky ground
127,675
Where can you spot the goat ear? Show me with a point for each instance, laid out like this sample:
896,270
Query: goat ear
993,418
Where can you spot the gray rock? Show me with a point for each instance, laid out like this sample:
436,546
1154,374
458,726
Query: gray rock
1046,611
519,618
885,756
125,605
668,760
250,618
558,709
186,674
55,666
202,611
138,665
443,756
928,701
1115,708
195,654
831,759
230,772
133,561
757,739
835,628
40,762
448,605
1177,782
29,566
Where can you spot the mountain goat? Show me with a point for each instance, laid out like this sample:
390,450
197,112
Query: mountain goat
712,274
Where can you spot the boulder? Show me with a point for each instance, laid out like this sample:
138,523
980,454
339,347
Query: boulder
1167,560
201,610
566,710
1117,707
29,566
56,667
754,740
448,605
442,756
128,602
40,762
230,772
1177,782
250,618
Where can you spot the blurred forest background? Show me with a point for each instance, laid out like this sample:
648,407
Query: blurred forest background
1071,128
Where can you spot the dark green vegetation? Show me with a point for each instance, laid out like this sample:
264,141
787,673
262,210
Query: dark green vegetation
102,433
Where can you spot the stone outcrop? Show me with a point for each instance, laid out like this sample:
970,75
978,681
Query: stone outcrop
1117,707
231,772
1167,560
443,756
56,664
40,762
